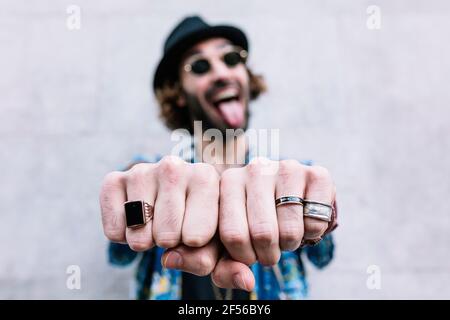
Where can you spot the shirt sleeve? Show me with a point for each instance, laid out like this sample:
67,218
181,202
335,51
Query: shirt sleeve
321,254
120,254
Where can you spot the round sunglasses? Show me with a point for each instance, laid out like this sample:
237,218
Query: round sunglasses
231,59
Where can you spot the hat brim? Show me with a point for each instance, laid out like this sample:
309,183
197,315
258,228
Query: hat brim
167,69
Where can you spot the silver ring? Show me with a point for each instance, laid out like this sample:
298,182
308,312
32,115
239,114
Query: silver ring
289,199
317,210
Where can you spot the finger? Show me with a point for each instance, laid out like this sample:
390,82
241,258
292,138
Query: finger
233,274
202,206
261,213
141,186
112,197
290,182
233,226
320,188
170,202
199,261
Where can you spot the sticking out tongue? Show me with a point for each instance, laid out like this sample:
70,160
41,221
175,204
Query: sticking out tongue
232,112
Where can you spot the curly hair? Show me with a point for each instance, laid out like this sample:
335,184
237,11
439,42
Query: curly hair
175,117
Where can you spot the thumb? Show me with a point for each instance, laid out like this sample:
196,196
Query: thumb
199,261
233,274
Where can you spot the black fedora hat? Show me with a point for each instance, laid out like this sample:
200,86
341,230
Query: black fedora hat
186,34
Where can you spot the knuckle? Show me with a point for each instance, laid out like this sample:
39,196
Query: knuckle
114,234
113,178
112,181
139,168
233,238
139,244
291,234
319,174
205,174
270,259
205,265
196,240
139,172
261,166
171,169
314,228
262,234
289,166
290,169
254,168
167,239
167,243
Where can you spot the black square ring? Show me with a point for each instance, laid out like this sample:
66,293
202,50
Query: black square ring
137,213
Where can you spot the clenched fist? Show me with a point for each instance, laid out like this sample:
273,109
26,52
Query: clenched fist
192,202
185,197
251,227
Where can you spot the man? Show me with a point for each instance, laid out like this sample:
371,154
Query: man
208,222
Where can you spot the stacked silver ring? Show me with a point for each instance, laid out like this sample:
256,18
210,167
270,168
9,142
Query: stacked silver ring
311,209
317,210
289,199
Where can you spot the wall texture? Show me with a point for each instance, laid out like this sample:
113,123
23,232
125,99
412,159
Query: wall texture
371,105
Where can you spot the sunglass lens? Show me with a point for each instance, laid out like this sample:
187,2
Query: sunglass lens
232,58
200,66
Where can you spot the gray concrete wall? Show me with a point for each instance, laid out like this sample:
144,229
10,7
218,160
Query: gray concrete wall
371,105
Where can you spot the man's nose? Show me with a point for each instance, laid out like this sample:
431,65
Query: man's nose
220,70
